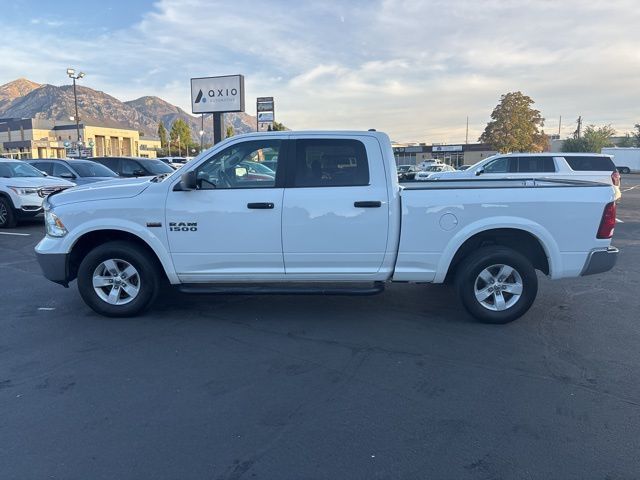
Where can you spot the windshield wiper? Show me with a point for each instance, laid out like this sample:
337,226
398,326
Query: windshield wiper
161,176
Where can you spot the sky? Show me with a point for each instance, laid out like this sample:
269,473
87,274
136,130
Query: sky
415,69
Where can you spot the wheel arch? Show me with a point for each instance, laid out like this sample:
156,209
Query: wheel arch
91,239
519,239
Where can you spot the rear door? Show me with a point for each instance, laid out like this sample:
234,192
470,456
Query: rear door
335,219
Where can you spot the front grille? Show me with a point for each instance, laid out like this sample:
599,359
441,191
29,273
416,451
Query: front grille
46,191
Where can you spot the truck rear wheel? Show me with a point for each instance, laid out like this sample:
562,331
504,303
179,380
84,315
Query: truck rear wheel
496,284
118,279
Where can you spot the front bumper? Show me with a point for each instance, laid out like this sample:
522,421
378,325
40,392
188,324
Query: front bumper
600,261
55,267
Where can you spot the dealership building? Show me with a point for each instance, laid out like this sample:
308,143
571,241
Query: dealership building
38,138
455,155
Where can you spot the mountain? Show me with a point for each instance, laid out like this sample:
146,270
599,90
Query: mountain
23,98
12,90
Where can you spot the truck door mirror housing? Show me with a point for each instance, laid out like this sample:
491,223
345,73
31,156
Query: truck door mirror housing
189,181
479,172
139,173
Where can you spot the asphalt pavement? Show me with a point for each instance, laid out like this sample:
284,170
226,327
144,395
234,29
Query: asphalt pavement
403,385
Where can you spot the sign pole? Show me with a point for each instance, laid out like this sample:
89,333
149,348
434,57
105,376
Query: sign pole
218,127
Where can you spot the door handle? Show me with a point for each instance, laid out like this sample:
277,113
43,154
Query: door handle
260,205
367,204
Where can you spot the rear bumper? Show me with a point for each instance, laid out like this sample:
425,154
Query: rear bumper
55,267
600,261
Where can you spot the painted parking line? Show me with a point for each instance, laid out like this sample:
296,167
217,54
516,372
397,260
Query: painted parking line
619,221
630,188
16,234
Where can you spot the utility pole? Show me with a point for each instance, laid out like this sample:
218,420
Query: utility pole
559,126
579,129
466,137
71,72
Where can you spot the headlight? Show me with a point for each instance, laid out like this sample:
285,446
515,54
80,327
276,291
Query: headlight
24,191
54,226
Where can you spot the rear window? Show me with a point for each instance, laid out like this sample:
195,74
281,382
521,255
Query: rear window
157,167
331,163
590,163
92,169
535,164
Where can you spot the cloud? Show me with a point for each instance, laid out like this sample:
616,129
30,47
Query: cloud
415,68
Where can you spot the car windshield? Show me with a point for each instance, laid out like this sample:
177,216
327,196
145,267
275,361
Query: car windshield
92,169
157,167
404,168
18,169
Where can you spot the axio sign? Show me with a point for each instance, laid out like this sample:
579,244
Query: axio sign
217,94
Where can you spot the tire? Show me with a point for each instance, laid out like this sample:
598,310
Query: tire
118,296
7,215
484,266
625,170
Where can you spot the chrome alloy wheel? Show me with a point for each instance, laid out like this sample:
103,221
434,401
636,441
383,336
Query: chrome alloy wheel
498,287
116,281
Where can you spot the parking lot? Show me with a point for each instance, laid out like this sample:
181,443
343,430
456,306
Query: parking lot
400,385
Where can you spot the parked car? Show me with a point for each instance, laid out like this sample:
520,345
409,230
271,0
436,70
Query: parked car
572,166
423,175
175,162
626,159
332,220
80,172
406,172
134,167
22,190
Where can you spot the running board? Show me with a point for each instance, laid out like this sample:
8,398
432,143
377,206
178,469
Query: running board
282,288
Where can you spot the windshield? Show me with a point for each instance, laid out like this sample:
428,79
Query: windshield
92,169
157,167
18,169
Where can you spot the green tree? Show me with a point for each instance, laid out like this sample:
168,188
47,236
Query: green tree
593,140
278,127
515,126
162,134
636,136
180,135
230,131
627,141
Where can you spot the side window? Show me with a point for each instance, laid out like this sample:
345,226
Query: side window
331,163
60,169
43,167
131,168
111,163
590,163
499,165
244,165
536,164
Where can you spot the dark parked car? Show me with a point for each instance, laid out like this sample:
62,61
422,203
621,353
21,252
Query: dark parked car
134,167
79,172
406,172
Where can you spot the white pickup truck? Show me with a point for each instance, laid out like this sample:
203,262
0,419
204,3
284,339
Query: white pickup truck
329,217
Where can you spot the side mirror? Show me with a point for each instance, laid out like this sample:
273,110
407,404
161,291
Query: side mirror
67,175
139,173
479,172
188,181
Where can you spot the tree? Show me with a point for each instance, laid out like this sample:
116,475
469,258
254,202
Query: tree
627,141
515,126
636,136
278,127
180,134
593,140
230,131
162,134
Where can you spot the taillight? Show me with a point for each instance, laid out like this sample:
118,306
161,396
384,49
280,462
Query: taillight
608,222
615,178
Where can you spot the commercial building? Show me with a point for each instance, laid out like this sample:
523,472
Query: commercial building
38,138
455,155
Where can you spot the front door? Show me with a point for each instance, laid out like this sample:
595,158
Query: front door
336,211
230,226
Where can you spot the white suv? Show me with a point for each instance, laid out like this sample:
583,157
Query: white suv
23,189
592,167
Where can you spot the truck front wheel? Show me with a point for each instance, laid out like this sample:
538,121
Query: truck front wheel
7,215
118,279
496,284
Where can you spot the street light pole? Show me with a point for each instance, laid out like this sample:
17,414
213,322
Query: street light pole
72,74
